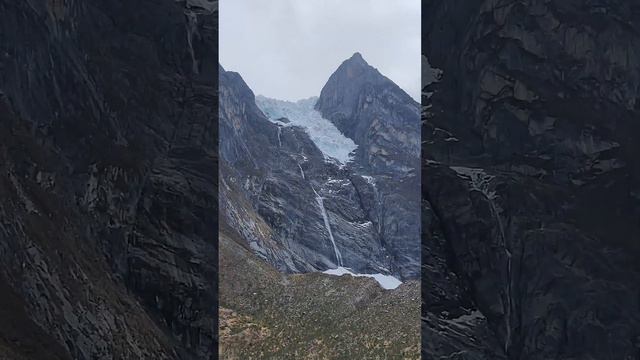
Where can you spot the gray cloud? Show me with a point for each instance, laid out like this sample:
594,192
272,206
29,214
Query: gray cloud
287,49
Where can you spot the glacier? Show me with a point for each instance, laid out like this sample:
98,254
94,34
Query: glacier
326,136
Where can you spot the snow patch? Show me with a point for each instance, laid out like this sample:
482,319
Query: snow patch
333,144
369,179
387,282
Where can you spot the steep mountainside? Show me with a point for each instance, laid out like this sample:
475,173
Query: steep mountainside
373,111
107,188
530,180
302,210
383,121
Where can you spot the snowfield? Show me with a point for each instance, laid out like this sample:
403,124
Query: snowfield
326,136
387,282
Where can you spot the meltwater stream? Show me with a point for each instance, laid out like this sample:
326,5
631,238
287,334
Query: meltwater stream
327,225
480,181
279,134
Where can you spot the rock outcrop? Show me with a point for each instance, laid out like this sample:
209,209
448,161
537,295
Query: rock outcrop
373,111
107,188
530,180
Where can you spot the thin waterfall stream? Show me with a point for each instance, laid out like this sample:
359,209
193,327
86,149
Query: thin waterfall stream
480,181
279,133
328,226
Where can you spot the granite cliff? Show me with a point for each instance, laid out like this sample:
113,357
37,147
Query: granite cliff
530,180
107,181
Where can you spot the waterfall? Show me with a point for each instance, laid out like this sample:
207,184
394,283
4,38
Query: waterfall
279,132
328,226
509,290
302,173
480,181
192,29
378,199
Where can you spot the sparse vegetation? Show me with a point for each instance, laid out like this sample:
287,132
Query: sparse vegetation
268,315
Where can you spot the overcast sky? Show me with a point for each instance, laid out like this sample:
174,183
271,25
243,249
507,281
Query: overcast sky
287,49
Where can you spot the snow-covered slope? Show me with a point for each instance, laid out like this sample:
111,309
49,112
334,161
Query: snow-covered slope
386,281
326,136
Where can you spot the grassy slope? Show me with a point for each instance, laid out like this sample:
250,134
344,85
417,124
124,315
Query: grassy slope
268,315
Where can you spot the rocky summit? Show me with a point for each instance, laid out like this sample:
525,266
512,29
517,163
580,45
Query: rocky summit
531,180
320,186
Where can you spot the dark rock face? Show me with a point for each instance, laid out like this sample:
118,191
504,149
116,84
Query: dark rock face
107,193
290,204
248,156
373,111
530,177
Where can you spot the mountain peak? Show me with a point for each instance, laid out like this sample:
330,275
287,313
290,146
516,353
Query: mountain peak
351,88
355,67
347,83
357,57
355,61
